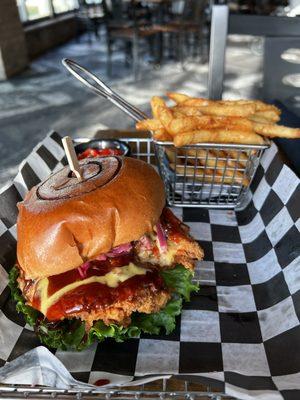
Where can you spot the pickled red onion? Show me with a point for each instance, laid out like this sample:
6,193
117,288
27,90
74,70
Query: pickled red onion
161,236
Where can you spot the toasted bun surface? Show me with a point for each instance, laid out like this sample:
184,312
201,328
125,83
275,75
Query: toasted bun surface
63,223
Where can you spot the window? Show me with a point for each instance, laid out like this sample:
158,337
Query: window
30,10
61,6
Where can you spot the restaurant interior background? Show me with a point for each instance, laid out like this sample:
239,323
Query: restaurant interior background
140,48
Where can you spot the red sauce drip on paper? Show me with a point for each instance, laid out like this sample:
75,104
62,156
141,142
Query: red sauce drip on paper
101,382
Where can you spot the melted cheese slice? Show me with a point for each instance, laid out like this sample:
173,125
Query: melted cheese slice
111,279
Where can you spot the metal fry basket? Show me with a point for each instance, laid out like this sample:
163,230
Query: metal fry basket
208,174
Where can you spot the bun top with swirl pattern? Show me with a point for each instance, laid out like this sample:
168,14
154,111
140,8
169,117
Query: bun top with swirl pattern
63,222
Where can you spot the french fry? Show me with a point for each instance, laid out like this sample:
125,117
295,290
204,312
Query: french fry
149,125
171,154
177,97
244,110
202,174
186,110
156,102
265,116
217,136
271,130
162,135
209,159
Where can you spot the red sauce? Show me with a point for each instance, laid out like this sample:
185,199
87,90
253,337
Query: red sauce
96,296
88,153
175,229
97,268
101,382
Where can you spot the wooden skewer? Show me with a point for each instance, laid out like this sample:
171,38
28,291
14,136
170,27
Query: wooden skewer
72,157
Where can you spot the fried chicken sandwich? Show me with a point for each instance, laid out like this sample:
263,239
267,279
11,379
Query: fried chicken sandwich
102,257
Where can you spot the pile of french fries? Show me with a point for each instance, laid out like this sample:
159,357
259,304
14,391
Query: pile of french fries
198,120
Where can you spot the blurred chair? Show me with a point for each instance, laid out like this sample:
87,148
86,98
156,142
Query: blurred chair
184,26
89,18
128,26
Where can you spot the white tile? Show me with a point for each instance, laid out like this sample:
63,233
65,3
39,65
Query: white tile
205,272
245,358
268,156
200,326
76,361
3,228
285,382
245,394
292,275
13,231
236,298
285,184
279,225
251,231
157,356
277,319
264,269
3,279
177,211
9,334
261,193
200,230
229,252
222,217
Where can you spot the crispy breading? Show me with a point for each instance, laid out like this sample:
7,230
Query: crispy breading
145,301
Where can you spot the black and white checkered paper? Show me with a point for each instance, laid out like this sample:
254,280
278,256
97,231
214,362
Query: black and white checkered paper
241,332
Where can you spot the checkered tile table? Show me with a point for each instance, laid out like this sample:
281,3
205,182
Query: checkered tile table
240,332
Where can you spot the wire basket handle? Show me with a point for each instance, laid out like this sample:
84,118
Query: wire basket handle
101,89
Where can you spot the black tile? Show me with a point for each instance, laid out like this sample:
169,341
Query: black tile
200,357
81,376
222,233
174,336
258,248
195,215
117,358
4,296
208,250
9,310
231,274
27,341
64,161
244,217
57,138
29,176
274,169
283,352
269,293
8,206
271,207
240,328
205,299
288,248
293,205
48,157
290,394
257,178
8,250
296,301
250,382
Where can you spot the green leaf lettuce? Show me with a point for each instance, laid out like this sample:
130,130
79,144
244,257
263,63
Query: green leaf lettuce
71,334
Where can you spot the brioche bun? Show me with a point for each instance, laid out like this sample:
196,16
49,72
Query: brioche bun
63,222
